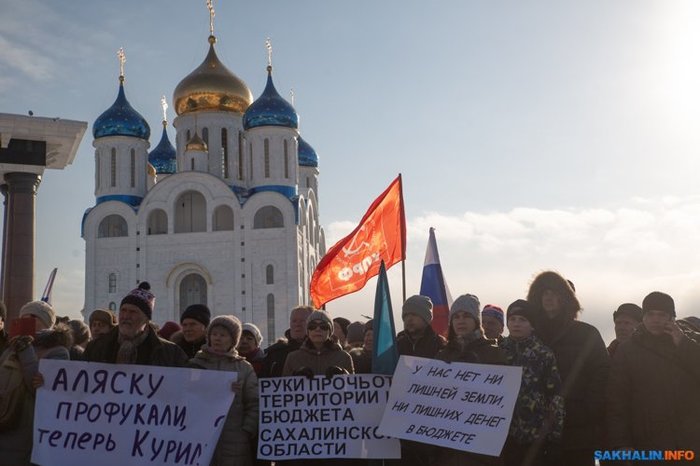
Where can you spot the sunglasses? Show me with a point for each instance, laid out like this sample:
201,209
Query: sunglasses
323,326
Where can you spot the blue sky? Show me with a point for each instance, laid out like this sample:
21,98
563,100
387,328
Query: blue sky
532,135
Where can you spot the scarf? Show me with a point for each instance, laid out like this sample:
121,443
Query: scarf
128,349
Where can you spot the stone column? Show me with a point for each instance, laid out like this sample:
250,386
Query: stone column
18,241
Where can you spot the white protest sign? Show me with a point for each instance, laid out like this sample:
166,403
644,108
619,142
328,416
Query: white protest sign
456,405
108,414
324,418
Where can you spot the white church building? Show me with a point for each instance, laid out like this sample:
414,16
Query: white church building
227,218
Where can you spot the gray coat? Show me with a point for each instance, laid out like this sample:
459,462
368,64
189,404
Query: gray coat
241,425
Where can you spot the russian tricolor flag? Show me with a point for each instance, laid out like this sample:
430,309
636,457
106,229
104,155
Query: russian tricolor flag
434,286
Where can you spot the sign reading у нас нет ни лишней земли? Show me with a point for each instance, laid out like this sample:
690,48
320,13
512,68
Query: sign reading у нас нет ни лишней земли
456,405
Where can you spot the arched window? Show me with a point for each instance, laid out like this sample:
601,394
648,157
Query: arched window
223,218
268,217
250,148
270,316
193,290
205,135
112,226
112,283
157,222
266,145
98,181
133,168
240,155
269,275
113,168
286,159
190,213
113,306
224,150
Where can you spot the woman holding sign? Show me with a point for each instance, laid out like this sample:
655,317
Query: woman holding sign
466,343
241,425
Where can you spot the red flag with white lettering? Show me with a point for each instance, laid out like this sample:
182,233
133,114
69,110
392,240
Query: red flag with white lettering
352,261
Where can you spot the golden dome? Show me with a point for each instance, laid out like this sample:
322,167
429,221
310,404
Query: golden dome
151,169
211,86
196,144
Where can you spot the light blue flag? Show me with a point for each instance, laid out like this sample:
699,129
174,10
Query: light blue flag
385,353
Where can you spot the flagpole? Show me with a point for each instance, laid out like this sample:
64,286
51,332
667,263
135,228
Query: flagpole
403,240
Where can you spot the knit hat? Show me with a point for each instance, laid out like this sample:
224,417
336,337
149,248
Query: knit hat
658,301
142,298
466,303
168,328
198,312
356,332
81,332
41,310
629,310
322,315
344,323
520,307
255,331
104,316
493,311
230,323
419,305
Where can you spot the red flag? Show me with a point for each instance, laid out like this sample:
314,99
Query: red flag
381,235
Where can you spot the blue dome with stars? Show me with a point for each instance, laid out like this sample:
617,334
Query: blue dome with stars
163,156
270,109
307,154
121,120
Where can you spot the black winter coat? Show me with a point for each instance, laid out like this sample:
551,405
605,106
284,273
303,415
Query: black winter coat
276,355
653,393
154,351
583,363
426,346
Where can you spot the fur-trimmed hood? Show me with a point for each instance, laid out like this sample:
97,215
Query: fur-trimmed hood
551,280
59,335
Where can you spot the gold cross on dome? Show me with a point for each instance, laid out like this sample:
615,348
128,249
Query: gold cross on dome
164,105
268,46
210,6
122,60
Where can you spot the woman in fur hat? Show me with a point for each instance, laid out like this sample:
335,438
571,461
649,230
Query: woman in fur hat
583,364
19,374
241,425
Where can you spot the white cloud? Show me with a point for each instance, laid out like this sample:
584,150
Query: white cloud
25,60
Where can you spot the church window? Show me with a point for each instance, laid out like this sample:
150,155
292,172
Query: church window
270,316
251,160
308,182
193,290
269,275
112,226
205,135
266,145
97,171
113,306
113,168
240,155
268,217
192,164
190,213
286,159
189,136
133,168
157,222
112,282
224,150
223,218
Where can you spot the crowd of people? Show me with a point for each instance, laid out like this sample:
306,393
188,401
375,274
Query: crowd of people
576,395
